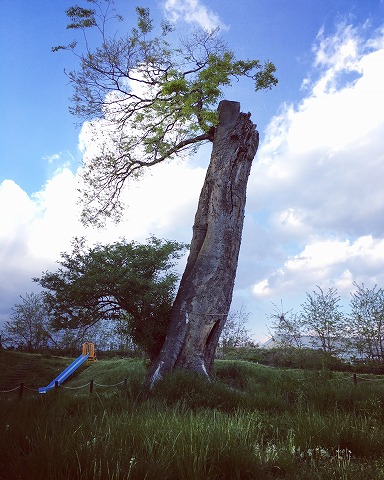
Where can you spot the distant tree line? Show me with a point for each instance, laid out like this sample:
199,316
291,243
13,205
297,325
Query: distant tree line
118,296
356,336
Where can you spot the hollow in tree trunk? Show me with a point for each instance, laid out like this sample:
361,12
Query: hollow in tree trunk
204,297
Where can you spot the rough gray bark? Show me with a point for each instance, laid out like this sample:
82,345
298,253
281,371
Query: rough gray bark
205,293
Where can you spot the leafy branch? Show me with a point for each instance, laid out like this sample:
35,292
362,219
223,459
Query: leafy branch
146,100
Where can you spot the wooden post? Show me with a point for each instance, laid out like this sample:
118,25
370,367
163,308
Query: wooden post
21,390
91,386
355,379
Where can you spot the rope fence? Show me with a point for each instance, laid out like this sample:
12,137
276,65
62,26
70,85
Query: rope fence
91,384
30,389
11,390
114,385
358,377
75,388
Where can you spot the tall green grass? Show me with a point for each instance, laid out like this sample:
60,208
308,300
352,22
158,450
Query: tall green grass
251,422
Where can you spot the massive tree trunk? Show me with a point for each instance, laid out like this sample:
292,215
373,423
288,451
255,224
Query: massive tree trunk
205,293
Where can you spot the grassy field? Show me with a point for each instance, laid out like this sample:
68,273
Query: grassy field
251,422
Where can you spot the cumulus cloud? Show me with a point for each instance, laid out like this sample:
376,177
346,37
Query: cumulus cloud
327,263
36,229
194,12
318,178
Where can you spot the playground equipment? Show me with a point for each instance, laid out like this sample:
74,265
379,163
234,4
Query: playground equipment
88,353
89,349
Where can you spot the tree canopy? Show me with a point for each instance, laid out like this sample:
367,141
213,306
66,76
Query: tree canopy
154,98
124,280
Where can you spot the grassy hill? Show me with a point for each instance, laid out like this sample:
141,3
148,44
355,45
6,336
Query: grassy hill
251,422
33,369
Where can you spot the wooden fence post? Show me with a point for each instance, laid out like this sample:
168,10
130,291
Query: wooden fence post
355,379
21,390
91,386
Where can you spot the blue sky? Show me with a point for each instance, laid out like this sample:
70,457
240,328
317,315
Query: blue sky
315,196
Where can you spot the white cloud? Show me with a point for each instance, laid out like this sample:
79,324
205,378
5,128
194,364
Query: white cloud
36,229
327,263
334,115
52,158
261,288
58,216
15,212
318,175
195,12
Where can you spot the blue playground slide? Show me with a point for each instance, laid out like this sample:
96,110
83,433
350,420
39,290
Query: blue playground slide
65,373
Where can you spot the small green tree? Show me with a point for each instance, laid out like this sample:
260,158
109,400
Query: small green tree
366,325
324,321
235,332
124,281
287,327
29,324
